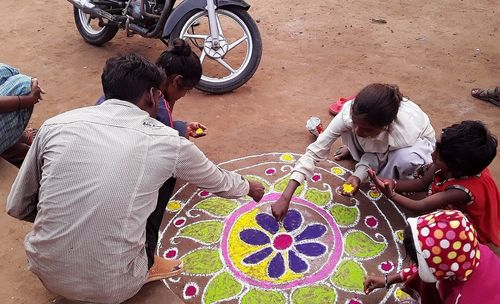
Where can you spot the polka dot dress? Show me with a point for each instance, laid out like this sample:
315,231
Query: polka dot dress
449,244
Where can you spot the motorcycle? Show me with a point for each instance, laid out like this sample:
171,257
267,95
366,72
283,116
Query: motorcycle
221,32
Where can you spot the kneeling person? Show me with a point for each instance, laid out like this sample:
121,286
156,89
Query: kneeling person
90,182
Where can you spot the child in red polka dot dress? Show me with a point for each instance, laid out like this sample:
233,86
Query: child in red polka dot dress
457,179
444,247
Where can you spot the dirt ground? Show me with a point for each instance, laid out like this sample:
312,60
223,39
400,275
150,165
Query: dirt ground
314,52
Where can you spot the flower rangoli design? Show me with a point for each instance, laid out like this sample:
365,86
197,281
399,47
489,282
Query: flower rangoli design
234,250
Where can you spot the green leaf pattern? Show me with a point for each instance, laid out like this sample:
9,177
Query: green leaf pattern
222,287
205,232
349,276
202,261
217,206
358,244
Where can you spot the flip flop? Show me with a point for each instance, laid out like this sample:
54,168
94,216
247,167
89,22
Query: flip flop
336,107
489,95
163,269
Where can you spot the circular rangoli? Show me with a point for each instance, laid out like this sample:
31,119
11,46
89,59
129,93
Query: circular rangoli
234,251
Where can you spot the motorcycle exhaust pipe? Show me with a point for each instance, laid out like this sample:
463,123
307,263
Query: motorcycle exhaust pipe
89,8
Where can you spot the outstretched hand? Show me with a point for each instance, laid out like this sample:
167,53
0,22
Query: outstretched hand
196,129
386,186
373,282
256,190
36,91
280,208
350,187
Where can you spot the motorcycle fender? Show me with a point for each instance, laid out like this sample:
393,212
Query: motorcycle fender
188,5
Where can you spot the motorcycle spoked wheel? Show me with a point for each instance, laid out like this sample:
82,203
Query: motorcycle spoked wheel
235,62
90,30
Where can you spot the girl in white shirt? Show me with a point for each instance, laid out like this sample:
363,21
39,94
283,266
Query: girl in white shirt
380,129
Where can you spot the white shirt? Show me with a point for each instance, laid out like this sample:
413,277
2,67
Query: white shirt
410,125
93,174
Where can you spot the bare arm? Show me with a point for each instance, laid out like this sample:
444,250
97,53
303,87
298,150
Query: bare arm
416,185
373,282
432,202
15,103
401,186
280,207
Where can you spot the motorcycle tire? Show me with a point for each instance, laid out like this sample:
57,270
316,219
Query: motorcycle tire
91,36
219,86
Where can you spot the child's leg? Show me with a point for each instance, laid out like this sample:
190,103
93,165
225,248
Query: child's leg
403,163
12,124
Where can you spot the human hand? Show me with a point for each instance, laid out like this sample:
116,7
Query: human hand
386,186
280,208
351,186
373,282
36,91
256,190
196,129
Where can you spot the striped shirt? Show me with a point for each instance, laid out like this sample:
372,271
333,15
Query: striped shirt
89,183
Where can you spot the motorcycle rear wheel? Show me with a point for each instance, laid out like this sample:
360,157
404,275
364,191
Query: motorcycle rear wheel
90,31
235,62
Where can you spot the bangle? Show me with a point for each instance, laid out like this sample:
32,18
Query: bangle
18,103
395,183
386,282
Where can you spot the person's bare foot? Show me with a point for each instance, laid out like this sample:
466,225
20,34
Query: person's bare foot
163,268
342,153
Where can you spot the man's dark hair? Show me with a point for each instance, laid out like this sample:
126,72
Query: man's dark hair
467,148
377,104
128,77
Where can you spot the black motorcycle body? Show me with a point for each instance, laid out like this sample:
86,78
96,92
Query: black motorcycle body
221,32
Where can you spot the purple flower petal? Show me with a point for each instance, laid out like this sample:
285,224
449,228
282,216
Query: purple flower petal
311,249
258,256
296,264
267,222
276,267
254,237
292,220
311,232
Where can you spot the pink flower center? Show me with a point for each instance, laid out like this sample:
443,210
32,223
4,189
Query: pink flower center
191,291
386,266
371,222
282,241
179,222
171,254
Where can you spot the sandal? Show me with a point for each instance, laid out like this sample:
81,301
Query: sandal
163,269
489,95
336,107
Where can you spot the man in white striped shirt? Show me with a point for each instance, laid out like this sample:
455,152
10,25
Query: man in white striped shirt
90,181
